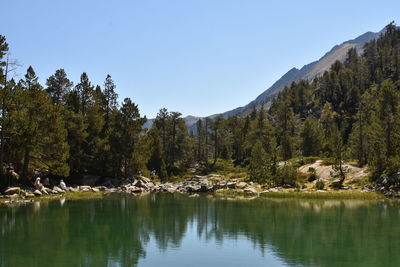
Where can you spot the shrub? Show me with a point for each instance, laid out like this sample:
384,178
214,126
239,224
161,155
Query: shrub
319,185
288,175
312,174
328,161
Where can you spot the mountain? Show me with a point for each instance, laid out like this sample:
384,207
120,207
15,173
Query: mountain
307,72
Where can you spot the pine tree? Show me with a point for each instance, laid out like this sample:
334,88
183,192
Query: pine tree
42,134
4,96
83,95
58,85
124,138
156,161
310,137
110,99
384,129
259,165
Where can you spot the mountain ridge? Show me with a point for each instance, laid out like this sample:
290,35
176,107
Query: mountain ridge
308,72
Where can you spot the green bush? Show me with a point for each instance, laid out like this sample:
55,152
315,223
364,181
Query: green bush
328,161
312,174
319,185
288,175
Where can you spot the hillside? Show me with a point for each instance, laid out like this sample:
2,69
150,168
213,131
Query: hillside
307,72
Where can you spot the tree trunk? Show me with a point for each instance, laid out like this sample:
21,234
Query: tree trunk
3,106
27,158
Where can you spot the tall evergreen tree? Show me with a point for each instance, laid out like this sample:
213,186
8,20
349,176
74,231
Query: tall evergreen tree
58,85
42,133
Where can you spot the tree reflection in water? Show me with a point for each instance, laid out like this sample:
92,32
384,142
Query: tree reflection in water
117,229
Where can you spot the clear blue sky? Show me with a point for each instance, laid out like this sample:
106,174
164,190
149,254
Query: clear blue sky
198,57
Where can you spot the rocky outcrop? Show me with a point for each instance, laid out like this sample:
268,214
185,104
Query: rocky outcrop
12,191
326,172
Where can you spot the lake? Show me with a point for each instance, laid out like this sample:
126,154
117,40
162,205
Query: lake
177,230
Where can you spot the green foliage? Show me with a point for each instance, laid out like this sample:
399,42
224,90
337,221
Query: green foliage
320,185
58,85
311,136
258,166
173,135
351,111
288,175
312,174
300,161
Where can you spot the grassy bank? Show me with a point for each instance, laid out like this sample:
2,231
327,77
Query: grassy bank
231,193
66,196
348,194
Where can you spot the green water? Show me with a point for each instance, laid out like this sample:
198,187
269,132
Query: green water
175,230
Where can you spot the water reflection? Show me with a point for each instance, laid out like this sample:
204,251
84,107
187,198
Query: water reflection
121,231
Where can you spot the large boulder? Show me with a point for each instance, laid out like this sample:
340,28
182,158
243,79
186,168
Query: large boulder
45,190
85,188
58,190
193,188
241,185
144,179
134,189
231,185
37,193
73,189
12,191
141,183
29,194
250,190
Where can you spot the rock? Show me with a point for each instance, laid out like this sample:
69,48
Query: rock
218,186
337,184
54,192
85,188
12,191
102,188
197,178
264,192
135,189
45,190
37,193
29,194
241,185
391,193
275,189
111,190
346,187
214,176
12,196
58,190
206,187
250,190
231,185
94,189
144,179
140,183
193,188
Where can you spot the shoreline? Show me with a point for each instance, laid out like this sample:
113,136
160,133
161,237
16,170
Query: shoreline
213,185
230,195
